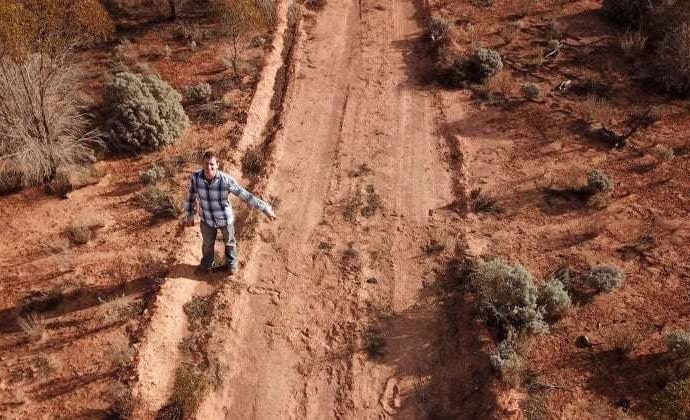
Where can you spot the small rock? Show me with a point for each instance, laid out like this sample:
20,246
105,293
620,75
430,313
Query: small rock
583,342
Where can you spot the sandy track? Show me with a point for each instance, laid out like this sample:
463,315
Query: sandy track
327,278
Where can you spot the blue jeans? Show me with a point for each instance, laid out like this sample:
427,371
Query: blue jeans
208,235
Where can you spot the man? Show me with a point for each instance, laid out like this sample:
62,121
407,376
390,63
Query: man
212,187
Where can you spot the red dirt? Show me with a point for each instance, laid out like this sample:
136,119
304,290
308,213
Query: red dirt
346,307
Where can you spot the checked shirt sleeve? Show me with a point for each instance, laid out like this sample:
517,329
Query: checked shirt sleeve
249,198
190,201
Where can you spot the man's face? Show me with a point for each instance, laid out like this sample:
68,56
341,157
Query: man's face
210,168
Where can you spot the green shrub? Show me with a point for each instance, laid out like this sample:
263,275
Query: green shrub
507,296
530,91
678,342
554,299
598,182
252,162
605,278
145,112
189,389
200,93
152,175
484,63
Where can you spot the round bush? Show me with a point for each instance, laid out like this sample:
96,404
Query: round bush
145,112
199,93
605,278
152,175
506,294
530,91
678,342
598,182
554,298
486,62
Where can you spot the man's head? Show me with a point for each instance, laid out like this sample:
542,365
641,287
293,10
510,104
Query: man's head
210,164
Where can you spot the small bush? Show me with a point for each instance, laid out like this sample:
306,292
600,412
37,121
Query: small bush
145,112
554,299
252,162
482,202
439,30
507,363
623,339
484,63
79,234
678,342
530,91
599,182
33,325
200,93
152,175
159,203
507,296
605,278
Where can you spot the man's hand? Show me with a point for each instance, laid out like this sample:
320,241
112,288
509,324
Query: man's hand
186,222
270,214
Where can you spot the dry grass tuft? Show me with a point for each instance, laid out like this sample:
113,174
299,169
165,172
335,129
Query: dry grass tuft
33,325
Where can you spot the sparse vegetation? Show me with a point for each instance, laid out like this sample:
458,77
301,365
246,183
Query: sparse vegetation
623,339
199,310
191,385
145,112
605,278
673,402
373,202
159,203
252,162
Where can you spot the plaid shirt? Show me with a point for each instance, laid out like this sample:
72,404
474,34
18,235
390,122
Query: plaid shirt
215,209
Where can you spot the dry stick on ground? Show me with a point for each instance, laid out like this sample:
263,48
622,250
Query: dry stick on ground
618,140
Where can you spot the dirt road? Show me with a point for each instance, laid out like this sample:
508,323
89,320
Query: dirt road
333,322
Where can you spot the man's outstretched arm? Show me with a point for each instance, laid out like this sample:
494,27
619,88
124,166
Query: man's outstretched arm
190,201
252,200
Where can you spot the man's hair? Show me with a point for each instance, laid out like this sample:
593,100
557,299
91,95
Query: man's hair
208,155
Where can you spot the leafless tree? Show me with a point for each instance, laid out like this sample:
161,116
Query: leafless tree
42,125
